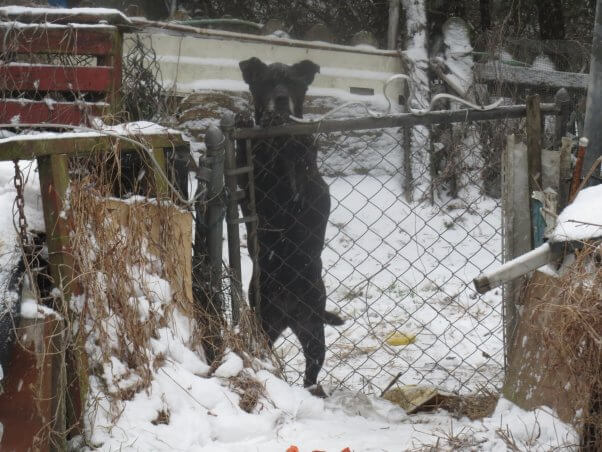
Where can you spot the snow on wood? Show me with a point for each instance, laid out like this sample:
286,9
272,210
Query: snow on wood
84,15
528,76
582,219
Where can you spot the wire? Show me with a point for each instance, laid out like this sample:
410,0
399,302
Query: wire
417,112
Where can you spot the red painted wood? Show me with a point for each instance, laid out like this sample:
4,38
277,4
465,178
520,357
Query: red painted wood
25,77
39,112
83,41
26,403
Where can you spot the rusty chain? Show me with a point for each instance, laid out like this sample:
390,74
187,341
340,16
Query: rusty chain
20,201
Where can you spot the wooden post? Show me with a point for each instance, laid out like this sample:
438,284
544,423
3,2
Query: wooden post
564,172
227,126
593,109
54,181
516,224
393,29
534,145
161,187
563,101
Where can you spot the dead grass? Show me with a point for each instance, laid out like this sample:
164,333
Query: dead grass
573,335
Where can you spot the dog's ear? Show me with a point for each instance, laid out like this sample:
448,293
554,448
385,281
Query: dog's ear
306,70
252,69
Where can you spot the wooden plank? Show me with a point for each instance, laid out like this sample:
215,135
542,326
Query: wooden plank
40,112
535,374
63,16
161,187
492,72
40,39
564,172
27,402
516,223
387,121
26,77
25,149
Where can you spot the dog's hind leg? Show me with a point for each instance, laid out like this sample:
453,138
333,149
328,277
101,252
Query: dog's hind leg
310,333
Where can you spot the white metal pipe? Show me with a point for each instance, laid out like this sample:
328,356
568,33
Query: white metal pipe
513,269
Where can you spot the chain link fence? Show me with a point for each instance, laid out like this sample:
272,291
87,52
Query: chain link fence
407,230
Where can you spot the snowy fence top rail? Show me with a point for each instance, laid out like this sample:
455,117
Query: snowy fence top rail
130,136
530,76
401,120
64,15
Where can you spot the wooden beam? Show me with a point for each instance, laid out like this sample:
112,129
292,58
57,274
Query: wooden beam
400,120
114,59
62,40
27,77
39,112
26,149
493,72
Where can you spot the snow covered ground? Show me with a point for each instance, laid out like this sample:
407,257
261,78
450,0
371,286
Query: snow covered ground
392,265
389,265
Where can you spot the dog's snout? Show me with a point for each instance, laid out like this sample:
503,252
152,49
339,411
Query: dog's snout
281,102
281,98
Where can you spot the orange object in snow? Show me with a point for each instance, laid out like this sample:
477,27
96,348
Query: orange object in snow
292,449
346,450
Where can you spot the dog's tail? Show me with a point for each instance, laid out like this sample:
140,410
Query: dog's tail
330,318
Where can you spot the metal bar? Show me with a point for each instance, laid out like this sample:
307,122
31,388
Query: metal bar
513,269
227,126
401,120
252,240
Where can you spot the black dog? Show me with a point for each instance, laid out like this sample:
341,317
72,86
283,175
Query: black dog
292,204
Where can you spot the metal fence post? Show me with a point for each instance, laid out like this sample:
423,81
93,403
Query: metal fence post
230,173
207,256
215,141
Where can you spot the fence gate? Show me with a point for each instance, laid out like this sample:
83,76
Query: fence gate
398,265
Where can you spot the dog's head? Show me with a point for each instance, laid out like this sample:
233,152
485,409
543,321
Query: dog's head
278,88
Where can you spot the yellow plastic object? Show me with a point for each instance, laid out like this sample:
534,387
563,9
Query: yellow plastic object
396,339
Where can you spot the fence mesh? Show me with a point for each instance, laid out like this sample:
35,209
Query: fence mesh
403,239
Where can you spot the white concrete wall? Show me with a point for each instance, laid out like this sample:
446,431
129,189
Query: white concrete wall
210,61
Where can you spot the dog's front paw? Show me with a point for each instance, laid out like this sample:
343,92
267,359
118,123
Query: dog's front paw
243,120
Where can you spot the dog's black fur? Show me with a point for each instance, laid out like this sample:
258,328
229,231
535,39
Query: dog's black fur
293,205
